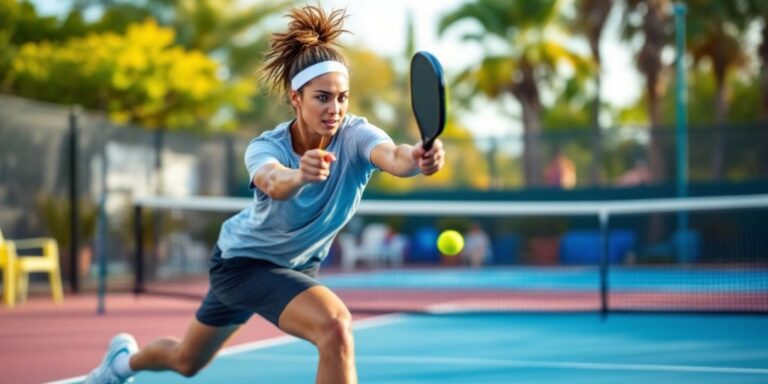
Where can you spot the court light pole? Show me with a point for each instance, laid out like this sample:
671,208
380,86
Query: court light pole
681,114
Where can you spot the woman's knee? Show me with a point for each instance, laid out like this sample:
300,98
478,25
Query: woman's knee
320,317
189,363
336,332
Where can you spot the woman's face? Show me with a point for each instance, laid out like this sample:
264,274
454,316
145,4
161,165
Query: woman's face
323,103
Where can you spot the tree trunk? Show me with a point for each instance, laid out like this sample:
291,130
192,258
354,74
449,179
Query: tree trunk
595,174
597,14
763,53
527,94
656,155
532,155
649,63
655,21
718,138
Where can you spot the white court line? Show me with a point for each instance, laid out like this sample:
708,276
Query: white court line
266,343
71,380
423,360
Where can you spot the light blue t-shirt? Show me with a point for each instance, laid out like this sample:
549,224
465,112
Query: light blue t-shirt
297,233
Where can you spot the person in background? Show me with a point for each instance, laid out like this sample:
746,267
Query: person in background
561,172
638,175
477,250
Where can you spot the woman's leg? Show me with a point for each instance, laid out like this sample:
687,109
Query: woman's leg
187,356
318,315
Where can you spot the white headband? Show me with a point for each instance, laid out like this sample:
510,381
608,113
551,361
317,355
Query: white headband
316,70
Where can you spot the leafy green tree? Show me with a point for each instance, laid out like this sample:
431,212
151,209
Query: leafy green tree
591,16
571,110
762,8
743,154
746,107
20,23
9,11
405,124
26,25
650,22
465,167
521,57
715,33
759,10
138,77
117,18
371,91
29,26
228,30
569,127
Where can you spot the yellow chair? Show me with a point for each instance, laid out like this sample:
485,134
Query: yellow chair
8,264
16,269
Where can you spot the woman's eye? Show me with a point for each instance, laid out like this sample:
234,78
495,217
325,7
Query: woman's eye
323,98
343,98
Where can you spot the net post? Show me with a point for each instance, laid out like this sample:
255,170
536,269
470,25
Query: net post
138,285
604,249
74,209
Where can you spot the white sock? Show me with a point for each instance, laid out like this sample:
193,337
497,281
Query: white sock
122,365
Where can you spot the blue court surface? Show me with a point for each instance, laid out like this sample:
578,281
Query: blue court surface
573,278
518,348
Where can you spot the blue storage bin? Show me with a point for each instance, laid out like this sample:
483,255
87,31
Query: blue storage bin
506,249
686,245
585,247
423,246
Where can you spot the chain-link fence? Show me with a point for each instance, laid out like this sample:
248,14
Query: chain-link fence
121,161
126,161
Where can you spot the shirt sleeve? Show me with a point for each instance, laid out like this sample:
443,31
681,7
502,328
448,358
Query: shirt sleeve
367,137
259,153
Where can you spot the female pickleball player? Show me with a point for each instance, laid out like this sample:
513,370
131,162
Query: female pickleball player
308,175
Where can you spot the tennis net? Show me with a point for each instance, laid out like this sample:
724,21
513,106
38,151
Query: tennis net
697,254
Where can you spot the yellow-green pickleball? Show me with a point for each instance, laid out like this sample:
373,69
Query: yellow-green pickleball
450,242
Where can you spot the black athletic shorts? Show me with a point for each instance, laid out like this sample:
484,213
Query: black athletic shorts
242,286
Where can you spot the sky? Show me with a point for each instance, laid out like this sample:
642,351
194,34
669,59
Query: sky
380,25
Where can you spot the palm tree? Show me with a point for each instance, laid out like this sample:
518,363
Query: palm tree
763,52
715,32
650,20
759,10
590,20
523,58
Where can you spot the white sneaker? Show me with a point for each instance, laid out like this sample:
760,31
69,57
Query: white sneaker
104,374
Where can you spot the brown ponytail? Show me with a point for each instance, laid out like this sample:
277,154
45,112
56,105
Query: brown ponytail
309,40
